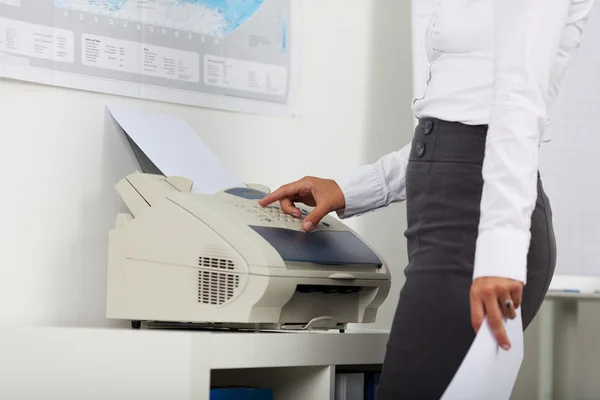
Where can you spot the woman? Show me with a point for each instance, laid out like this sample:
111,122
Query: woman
480,238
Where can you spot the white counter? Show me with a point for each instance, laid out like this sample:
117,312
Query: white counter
77,363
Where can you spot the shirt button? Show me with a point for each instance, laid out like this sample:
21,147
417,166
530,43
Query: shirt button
420,149
428,127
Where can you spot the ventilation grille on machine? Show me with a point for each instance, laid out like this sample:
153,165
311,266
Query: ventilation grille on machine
216,281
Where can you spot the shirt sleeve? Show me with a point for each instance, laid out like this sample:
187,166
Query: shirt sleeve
579,13
374,186
527,38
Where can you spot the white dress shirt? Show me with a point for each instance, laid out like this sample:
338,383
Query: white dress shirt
494,62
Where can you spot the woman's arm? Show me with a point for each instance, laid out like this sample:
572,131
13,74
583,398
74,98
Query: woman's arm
365,189
374,186
527,38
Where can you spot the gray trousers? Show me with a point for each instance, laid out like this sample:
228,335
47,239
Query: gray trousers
431,331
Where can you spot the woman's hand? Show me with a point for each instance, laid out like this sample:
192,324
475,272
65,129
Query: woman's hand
495,297
323,194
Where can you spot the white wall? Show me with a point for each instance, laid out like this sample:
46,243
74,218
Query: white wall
59,167
570,162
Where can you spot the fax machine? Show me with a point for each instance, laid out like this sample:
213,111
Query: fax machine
223,260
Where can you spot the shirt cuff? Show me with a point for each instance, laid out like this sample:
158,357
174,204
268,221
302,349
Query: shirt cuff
502,254
363,191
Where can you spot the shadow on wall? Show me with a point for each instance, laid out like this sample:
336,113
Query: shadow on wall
390,126
83,297
76,286
118,161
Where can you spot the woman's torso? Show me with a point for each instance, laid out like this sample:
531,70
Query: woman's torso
459,45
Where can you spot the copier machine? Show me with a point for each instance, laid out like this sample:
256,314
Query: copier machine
222,260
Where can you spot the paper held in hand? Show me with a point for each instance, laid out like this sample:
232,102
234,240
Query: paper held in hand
489,372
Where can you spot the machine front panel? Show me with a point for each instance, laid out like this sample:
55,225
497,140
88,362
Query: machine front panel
320,247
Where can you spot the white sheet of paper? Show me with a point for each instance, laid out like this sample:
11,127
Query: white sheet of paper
488,372
175,148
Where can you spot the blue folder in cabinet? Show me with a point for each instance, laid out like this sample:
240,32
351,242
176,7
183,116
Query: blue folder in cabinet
371,385
241,394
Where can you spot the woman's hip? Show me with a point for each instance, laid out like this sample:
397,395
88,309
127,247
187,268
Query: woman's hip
444,185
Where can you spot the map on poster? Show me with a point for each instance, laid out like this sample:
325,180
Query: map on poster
228,54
